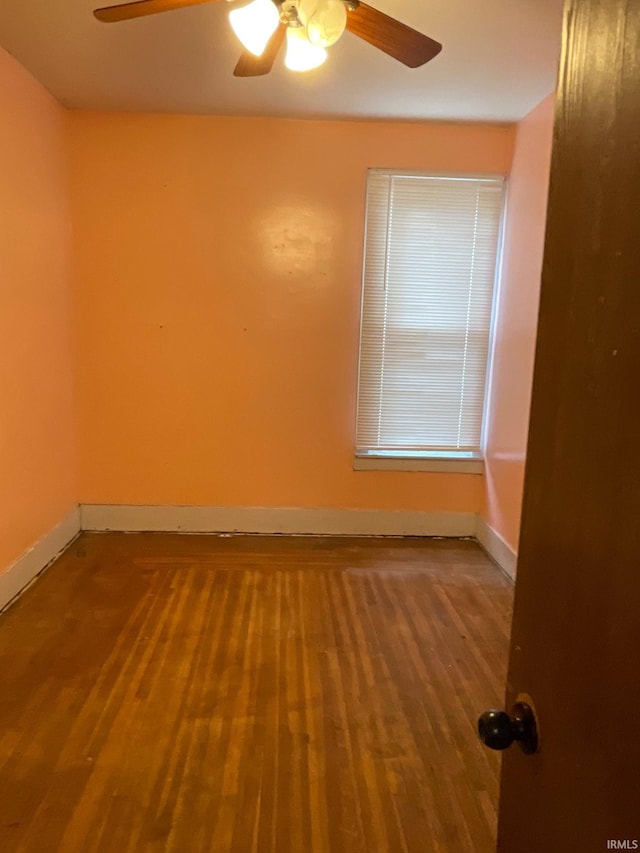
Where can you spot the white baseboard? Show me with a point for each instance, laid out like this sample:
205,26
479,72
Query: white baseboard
496,547
211,519
219,519
26,568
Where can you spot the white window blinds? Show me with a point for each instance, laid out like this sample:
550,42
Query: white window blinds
429,271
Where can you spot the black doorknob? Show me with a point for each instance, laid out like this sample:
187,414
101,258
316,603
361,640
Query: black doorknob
498,730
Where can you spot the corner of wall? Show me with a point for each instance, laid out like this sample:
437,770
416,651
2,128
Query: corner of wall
19,576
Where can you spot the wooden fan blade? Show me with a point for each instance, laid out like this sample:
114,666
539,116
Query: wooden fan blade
398,40
255,66
112,14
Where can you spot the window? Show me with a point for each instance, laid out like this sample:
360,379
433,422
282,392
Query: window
430,265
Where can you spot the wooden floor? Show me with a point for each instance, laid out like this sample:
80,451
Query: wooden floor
269,694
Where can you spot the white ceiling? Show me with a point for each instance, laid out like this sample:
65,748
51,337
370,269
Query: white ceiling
499,60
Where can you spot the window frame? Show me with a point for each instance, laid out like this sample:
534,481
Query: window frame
434,461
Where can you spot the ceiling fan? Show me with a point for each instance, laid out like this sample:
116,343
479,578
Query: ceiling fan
309,27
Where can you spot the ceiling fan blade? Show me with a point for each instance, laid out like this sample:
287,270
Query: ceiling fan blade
139,8
255,66
398,40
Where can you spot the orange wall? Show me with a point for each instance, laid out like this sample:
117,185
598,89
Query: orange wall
37,468
517,322
217,276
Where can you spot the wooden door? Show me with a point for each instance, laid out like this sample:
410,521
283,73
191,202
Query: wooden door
576,631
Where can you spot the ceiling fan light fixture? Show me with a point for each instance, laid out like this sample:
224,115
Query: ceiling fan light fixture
255,24
327,22
301,54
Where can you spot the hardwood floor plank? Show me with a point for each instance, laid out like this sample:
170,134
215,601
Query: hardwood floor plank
252,694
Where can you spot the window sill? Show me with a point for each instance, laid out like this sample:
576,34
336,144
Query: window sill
446,464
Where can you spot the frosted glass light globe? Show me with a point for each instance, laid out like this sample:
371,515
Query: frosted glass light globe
326,23
255,24
301,54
